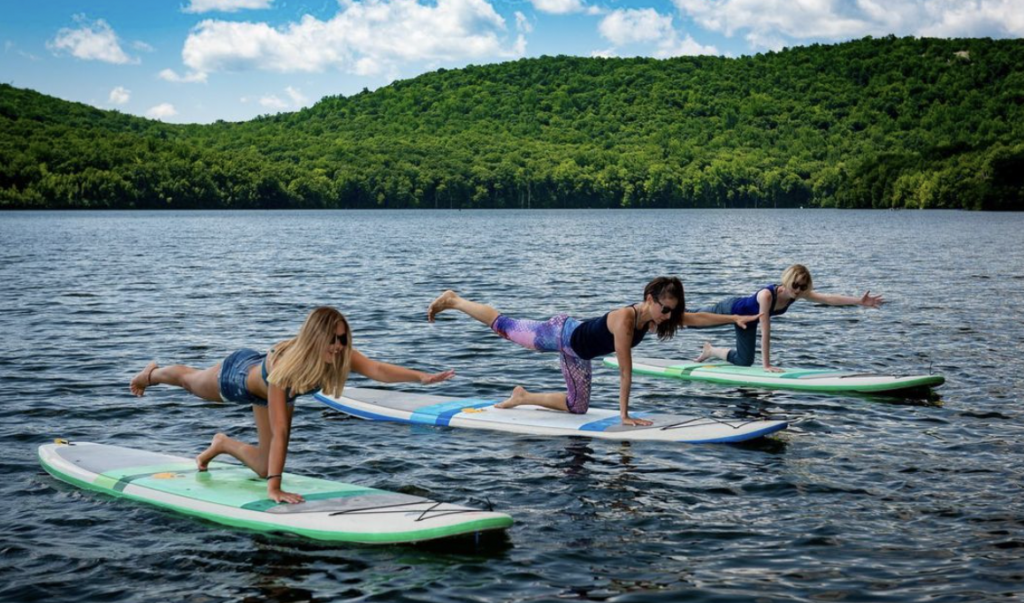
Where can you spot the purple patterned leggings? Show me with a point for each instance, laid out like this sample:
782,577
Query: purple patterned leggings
553,335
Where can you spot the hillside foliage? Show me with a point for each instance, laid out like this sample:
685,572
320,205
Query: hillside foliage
890,122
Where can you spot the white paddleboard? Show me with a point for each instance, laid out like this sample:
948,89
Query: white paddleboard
423,409
233,495
813,380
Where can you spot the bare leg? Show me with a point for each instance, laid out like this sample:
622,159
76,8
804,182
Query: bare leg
199,382
521,396
253,457
449,300
709,352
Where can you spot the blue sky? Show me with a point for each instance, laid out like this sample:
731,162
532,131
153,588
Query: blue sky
197,61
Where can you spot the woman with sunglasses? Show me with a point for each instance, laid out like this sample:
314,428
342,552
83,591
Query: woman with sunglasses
769,301
319,357
578,342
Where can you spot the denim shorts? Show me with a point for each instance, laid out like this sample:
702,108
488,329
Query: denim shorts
233,373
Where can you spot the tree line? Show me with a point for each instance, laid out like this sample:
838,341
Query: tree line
882,123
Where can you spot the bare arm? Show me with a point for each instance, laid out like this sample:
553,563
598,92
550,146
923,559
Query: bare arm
392,373
708,319
764,300
867,300
280,433
620,323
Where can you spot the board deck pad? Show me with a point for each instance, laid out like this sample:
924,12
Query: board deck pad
814,380
234,495
476,413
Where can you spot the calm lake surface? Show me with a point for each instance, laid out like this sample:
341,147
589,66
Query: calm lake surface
862,499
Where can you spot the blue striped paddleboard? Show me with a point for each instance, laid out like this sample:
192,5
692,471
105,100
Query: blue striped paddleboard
474,413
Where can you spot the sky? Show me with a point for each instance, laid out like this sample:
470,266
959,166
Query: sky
199,61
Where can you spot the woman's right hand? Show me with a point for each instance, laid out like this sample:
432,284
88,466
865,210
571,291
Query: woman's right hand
278,495
773,369
742,320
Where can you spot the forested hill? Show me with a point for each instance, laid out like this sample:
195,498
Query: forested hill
892,122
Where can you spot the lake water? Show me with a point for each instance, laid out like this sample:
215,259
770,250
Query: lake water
863,498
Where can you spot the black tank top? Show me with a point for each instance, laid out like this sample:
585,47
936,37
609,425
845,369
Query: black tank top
592,338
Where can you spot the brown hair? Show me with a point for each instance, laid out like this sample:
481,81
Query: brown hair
671,286
298,364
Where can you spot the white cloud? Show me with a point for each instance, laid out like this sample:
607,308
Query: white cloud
225,6
120,95
170,75
523,23
369,36
142,46
298,98
649,27
162,111
628,26
674,47
92,41
558,7
770,24
273,102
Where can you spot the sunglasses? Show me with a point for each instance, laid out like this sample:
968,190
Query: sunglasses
799,286
664,309
340,339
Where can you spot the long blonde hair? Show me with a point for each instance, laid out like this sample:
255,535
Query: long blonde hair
298,365
795,272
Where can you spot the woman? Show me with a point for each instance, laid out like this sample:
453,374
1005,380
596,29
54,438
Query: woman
319,357
774,300
577,342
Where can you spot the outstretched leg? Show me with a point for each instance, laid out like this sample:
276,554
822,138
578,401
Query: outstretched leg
199,382
450,300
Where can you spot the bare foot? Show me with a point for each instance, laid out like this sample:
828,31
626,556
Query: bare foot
514,400
705,353
216,447
445,301
141,381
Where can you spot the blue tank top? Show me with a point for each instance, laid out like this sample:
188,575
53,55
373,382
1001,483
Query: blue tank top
592,338
748,306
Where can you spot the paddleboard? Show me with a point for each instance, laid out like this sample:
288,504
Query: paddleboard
233,495
813,380
424,409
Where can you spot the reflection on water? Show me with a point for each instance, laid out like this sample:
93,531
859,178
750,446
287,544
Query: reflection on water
865,497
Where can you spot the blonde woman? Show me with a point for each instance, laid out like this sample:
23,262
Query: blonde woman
319,357
769,301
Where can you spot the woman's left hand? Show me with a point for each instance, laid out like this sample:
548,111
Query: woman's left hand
871,301
437,377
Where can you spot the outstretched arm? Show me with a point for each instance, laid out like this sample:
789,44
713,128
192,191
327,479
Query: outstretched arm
867,300
708,319
392,373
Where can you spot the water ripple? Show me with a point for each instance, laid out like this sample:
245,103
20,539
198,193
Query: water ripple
864,498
